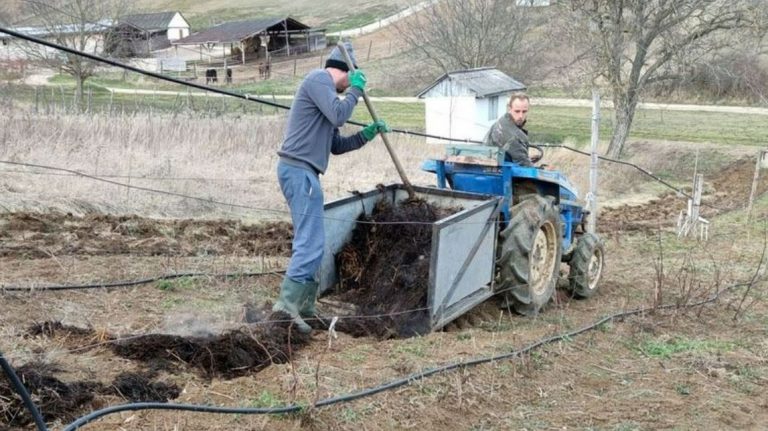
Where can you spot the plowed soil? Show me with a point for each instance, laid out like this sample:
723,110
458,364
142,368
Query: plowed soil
185,341
725,192
30,236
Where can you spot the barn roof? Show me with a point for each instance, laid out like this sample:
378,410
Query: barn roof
484,82
98,27
235,31
149,21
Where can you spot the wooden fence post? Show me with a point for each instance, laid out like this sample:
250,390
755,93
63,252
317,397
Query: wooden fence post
370,45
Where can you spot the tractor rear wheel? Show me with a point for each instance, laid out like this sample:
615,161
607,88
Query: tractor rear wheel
586,265
529,259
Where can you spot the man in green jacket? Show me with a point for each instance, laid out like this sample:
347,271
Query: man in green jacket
508,132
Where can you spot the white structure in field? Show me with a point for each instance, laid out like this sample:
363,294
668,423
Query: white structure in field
12,48
462,105
534,2
171,25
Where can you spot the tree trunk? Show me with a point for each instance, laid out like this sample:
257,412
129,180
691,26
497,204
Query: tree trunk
624,114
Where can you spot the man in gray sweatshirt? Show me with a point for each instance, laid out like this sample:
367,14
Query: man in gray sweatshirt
311,136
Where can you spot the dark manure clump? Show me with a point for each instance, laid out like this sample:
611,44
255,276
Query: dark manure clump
141,387
58,400
54,398
384,270
229,355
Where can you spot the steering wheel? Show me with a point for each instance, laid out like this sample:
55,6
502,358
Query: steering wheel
536,158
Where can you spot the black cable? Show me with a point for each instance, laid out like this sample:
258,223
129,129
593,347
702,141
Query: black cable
277,105
146,189
141,177
642,170
206,200
23,393
390,385
135,282
136,69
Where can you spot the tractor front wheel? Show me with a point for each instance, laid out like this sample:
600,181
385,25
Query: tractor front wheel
586,265
530,254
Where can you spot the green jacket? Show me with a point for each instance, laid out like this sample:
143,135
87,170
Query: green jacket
513,139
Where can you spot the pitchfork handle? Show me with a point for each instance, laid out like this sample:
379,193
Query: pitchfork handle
375,116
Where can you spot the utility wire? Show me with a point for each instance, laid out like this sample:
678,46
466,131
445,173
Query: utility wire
141,177
130,283
277,105
213,201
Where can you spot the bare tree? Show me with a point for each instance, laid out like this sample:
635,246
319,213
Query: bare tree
9,13
632,44
465,34
76,24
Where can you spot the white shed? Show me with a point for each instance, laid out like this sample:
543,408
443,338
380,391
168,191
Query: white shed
172,25
462,105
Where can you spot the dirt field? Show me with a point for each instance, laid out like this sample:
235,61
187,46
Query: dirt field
699,368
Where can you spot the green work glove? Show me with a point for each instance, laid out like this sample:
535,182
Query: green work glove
357,79
370,131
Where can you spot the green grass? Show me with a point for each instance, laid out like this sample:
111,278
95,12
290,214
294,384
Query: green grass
409,116
362,18
413,347
330,14
176,284
266,399
665,349
557,124
547,123
276,86
357,354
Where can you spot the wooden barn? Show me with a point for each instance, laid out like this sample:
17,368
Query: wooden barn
141,34
256,39
464,104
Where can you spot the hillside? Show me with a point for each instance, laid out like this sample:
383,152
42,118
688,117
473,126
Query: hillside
332,14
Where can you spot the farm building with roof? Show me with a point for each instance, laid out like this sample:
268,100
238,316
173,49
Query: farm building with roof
463,104
257,39
141,34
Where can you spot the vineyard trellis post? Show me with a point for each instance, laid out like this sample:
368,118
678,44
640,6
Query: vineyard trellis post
593,165
762,163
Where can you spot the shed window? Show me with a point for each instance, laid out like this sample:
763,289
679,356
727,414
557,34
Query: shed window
493,108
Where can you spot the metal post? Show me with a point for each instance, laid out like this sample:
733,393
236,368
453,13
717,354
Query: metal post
698,187
762,157
592,195
287,40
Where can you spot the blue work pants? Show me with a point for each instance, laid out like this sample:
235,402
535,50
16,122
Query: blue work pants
302,190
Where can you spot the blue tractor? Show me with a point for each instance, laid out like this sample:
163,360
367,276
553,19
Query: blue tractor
541,225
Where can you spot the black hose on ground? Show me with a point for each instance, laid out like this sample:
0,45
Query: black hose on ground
390,385
23,393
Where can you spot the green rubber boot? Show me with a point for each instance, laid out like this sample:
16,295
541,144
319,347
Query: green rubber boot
292,295
307,308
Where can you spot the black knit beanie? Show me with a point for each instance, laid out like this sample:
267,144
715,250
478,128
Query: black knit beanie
336,59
